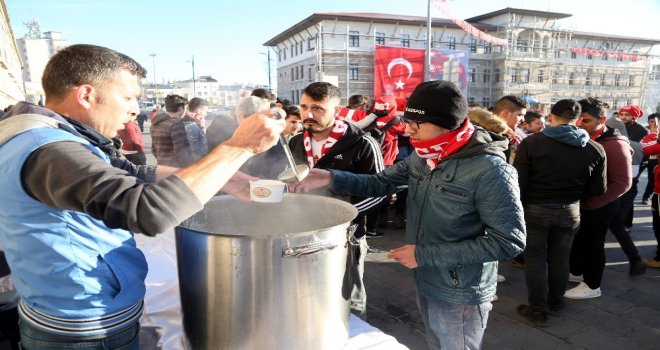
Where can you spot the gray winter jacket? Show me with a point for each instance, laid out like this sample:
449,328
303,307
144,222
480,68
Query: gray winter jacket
463,216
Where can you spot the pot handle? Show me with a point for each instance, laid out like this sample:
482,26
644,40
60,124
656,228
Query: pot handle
299,252
350,234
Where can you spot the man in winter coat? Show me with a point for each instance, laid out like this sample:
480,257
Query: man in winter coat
587,259
464,212
556,168
329,143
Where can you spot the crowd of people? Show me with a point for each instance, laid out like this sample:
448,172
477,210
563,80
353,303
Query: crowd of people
471,186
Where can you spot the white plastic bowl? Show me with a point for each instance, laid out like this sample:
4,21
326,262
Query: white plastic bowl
267,191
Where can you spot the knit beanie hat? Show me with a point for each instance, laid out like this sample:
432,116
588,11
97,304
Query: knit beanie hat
438,102
633,110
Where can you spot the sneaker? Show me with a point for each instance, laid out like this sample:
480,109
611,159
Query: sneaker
553,310
637,267
537,318
501,279
575,278
652,263
372,234
582,291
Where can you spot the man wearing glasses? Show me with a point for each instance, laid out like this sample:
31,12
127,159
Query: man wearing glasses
464,212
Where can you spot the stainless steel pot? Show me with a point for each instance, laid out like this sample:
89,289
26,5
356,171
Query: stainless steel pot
266,275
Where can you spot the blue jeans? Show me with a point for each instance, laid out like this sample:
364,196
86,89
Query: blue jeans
550,232
453,326
34,339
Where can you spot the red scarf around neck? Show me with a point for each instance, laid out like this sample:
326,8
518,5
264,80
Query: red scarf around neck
338,130
442,146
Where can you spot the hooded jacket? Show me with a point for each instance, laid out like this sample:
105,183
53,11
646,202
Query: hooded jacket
463,216
619,168
560,165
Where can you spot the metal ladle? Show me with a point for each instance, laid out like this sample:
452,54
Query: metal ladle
299,171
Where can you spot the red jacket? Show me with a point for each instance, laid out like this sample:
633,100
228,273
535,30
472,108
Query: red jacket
651,147
131,136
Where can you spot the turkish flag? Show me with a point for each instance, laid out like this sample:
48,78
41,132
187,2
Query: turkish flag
397,70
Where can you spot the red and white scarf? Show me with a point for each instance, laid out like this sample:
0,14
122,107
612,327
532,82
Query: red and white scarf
442,146
338,130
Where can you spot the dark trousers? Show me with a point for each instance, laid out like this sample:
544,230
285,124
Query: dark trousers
137,158
550,231
650,166
9,332
620,222
588,252
656,223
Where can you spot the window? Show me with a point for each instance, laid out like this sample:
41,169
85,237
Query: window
451,44
284,52
470,100
525,76
302,72
311,44
555,74
496,76
587,80
354,38
557,53
488,47
473,45
615,105
279,56
405,40
291,50
353,72
486,75
296,48
602,80
301,47
522,45
631,80
485,102
292,73
619,56
471,75
604,56
514,75
617,79
571,78
590,55
539,76
573,55
380,38
309,73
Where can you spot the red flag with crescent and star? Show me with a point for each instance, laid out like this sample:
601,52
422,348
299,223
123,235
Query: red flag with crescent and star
397,70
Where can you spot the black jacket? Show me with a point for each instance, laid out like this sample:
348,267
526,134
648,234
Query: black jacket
355,152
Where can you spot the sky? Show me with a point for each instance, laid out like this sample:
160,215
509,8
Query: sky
226,37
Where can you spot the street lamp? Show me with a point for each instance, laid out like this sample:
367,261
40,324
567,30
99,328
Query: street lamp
269,73
153,61
192,61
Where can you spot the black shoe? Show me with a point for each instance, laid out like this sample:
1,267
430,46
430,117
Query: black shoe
637,267
553,310
537,318
399,221
371,234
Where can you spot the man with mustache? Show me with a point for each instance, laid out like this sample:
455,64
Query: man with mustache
329,143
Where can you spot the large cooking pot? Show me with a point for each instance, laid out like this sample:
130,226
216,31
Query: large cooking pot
266,275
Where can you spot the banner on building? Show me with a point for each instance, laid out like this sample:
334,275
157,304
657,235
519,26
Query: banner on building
398,70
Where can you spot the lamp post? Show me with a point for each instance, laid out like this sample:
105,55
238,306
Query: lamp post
153,61
192,61
269,72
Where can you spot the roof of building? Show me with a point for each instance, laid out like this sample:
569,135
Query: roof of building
547,14
363,17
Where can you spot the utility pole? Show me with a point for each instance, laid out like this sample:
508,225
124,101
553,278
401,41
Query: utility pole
193,72
153,61
269,74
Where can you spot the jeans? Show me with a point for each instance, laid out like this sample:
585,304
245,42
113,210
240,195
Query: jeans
650,166
550,232
358,253
620,221
34,339
588,251
453,326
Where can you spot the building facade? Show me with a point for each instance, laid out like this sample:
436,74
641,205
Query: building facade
35,50
541,62
11,79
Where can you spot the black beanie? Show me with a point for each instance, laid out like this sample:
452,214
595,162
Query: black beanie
438,102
